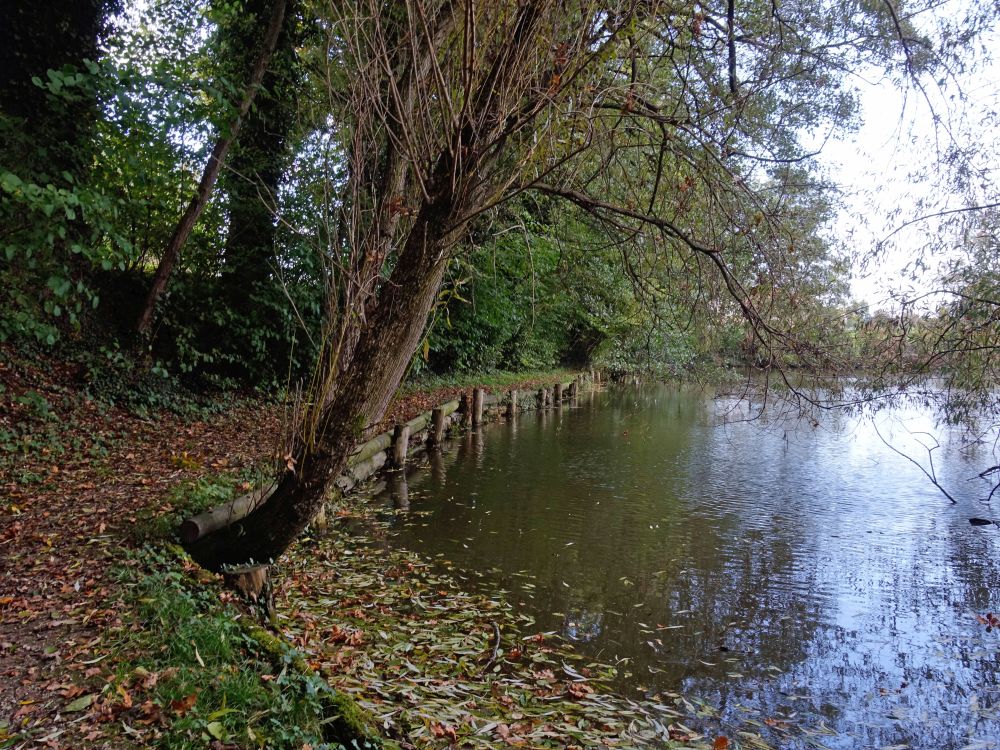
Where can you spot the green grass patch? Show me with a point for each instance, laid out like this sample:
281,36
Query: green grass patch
187,499
197,670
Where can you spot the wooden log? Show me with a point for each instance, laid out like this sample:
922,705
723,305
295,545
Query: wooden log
194,528
377,444
557,393
512,404
419,422
362,471
400,445
477,406
540,399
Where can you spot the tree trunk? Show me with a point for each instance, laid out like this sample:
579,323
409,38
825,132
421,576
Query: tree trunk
215,162
379,362
256,164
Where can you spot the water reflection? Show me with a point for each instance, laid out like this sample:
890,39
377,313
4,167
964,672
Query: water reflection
787,570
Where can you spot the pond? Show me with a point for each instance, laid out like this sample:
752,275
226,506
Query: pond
781,568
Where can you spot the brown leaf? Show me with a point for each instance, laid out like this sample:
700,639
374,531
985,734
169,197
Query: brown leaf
579,689
185,704
444,730
151,713
721,743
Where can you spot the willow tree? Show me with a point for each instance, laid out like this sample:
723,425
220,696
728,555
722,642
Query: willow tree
621,110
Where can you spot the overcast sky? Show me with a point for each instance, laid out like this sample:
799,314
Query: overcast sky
873,168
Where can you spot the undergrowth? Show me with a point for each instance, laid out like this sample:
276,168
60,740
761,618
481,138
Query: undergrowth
186,499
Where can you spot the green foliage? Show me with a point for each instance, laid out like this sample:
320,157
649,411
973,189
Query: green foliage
97,168
961,342
76,248
515,302
187,499
56,228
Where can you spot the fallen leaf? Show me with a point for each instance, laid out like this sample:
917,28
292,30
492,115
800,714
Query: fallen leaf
81,704
185,704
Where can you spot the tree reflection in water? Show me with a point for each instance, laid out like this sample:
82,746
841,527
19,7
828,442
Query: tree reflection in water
802,575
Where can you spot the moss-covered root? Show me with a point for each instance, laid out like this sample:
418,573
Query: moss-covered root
344,721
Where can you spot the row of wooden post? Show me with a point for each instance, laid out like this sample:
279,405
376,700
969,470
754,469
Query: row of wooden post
473,409
394,451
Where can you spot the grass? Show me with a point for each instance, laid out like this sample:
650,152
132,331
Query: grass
207,671
194,669
186,499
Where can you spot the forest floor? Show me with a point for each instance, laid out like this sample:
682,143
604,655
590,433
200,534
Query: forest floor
82,484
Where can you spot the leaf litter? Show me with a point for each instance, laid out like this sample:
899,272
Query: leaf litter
441,667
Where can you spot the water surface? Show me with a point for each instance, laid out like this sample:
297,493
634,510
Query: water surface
789,571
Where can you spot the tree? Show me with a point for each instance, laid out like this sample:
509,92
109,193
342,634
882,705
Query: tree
49,107
619,111
216,160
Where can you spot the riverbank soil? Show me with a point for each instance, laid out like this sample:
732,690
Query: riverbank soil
82,484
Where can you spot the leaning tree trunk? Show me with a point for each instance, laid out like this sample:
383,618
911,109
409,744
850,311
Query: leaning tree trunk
379,361
384,318
208,179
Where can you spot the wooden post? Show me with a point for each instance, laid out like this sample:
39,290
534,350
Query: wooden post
557,394
540,398
464,407
512,404
437,428
572,389
477,407
400,445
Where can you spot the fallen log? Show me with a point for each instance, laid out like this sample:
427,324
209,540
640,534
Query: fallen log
220,516
377,444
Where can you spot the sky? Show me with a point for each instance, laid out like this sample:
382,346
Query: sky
872,167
